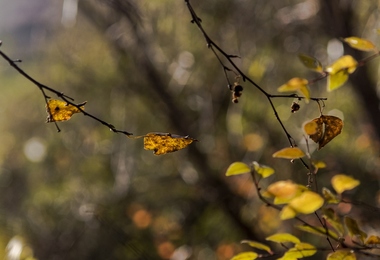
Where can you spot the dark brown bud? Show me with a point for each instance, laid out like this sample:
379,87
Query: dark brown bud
295,107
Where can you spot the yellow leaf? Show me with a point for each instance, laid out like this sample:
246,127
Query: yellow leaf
323,129
257,245
263,170
334,220
296,84
314,129
318,231
300,250
329,196
373,240
346,62
304,90
60,110
360,44
237,168
162,143
319,164
341,255
285,200
341,183
336,80
245,256
293,85
287,212
283,189
283,238
307,202
289,153
353,229
311,62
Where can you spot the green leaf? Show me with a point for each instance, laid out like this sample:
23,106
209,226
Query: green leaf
289,153
360,44
245,256
318,231
300,250
263,170
257,245
307,202
341,183
341,255
283,238
311,62
237,168
353,229
335,81
334,220
329,196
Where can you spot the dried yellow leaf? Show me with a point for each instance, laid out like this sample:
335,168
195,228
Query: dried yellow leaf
162,143
323,129
60,110
373,240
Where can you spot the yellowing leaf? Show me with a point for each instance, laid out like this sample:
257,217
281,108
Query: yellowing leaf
287,212
257,245
162,143
334,220
323,129
336,80
283,189
341,255
318,231
284,200
283,238
289,153
300,250
353,229
329,196
245,256
346,62
296,84
319,164
60,110
339,70
307,202
360,44
373,240
341,183
263,170
311,62
237,168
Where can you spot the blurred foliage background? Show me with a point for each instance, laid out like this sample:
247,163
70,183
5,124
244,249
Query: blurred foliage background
86,193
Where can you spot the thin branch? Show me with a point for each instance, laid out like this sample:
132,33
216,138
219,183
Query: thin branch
59,94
